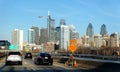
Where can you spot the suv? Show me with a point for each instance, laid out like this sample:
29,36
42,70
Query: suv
28,55
13,58
43,58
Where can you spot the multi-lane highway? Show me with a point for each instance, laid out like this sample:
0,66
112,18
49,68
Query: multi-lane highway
29,66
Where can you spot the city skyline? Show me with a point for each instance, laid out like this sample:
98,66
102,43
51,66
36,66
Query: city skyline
24,14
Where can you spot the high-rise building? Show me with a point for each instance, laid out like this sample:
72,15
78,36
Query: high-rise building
31,38
72,29
114,40
36,33
64,37
90,30
57,34
103,30
43,35
17,38
73,33
85,40
97,40
51,28
106,40
62,22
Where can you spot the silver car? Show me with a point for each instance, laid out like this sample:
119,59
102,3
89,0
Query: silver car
14,58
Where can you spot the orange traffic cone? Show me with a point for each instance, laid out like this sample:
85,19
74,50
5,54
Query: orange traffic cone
75,64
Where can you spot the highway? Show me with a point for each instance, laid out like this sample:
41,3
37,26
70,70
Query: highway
29,66
85,66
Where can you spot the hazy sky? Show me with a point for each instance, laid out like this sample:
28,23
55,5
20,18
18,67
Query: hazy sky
23,14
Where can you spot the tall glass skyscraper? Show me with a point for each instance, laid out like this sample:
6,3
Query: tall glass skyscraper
43,35
103,30
90,30
62,22
31,38
57,34
36,33
51,28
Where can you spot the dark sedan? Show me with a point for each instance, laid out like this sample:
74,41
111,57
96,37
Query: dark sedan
43,58
28,55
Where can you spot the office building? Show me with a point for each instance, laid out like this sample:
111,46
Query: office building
57,34
65,34
72,30
17,38
43,35
36,35
97,40
85,40
114,40
90,30
62,22
31,38
103,30
51,28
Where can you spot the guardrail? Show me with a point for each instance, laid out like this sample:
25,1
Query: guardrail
89,56
86,56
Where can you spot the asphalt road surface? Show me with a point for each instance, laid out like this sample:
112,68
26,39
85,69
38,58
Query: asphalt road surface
29,66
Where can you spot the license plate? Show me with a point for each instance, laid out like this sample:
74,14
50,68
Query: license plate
46,57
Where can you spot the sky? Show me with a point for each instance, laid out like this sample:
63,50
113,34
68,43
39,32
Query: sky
23,14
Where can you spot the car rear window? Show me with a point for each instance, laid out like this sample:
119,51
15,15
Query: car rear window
28,53
45,54
14,53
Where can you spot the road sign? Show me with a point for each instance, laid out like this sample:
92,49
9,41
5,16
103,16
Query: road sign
73,41
72,47
13,47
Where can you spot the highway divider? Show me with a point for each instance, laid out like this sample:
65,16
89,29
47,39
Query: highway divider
92,64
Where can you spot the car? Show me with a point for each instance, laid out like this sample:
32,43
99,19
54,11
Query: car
43,58
28,55
14,57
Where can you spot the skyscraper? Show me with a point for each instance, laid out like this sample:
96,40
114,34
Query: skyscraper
103,30
51,28
65,37
73,33
17,38
57,34
31,38
62,22
36,33
43,35
90,30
